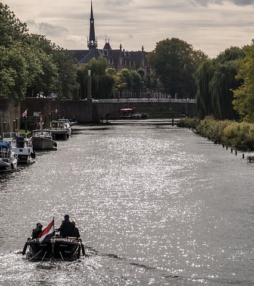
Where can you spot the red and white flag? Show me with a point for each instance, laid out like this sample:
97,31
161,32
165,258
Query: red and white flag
24,114
47,233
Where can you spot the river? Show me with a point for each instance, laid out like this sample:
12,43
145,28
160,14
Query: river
155,205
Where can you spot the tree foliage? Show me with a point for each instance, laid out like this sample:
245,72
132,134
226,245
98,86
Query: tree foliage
102,83
30,63
215,80
174,62
244,95
132,83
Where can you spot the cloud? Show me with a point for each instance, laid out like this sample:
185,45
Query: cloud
119,3
236,2
46,29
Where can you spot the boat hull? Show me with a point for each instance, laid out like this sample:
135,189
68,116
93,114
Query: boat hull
8,166
60,248
60,134
41,143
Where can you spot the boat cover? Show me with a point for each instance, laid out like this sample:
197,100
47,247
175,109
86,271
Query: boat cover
5,145
126,109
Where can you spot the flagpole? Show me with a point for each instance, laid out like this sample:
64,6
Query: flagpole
53,241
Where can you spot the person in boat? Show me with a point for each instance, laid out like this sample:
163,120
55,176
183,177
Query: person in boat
37,230
76,230
67,227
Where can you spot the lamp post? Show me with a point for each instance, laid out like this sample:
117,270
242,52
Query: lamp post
89,87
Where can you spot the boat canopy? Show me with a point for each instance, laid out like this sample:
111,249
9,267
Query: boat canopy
127,109
5,145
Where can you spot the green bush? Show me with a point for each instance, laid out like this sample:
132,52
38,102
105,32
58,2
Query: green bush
230,133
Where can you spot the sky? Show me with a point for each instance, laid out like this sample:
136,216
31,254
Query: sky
208,25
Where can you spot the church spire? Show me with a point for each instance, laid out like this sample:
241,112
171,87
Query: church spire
92,42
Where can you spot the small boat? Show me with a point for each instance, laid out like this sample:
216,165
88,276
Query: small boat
8,159
21,145
126,113
60,130
69,248
42,139
67,124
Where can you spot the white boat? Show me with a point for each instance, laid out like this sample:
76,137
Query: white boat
21,145
67,124
60,130
8,159
42,139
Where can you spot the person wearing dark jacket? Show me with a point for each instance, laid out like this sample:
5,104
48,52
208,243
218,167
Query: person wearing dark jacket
37,230
76,231
66,228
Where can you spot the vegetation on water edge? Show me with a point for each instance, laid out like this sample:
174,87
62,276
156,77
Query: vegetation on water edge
239,136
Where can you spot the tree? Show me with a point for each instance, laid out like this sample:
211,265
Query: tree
66,72
136,83
174,61
43,68
203,77
244,95
11,29
30,63
13,67
127,79
102,83
215,80
143,80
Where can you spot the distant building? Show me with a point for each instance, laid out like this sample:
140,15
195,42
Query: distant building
117,59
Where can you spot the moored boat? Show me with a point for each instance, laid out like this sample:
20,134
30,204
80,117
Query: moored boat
8,159
21,145
126,113
60,130
67,124
42,140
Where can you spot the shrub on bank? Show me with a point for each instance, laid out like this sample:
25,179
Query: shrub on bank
236,135
191,123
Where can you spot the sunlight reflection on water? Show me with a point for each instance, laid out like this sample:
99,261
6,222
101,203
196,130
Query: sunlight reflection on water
154,202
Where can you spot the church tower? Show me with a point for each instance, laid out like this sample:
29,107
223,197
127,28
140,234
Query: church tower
92,42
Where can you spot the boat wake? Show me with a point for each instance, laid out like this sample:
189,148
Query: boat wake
95,268
90,252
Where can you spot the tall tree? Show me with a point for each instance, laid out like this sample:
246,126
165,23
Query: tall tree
203,77
66,72
215,80
11,29
102,83
174,61
244,95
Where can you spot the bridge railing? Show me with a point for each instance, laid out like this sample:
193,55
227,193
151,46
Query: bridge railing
115,100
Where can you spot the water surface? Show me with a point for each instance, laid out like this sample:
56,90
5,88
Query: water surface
155,205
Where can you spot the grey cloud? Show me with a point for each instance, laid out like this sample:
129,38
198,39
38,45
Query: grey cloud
119,3
236,2
47,29
243,2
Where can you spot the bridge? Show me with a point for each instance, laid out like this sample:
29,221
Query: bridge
159,107
88,112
